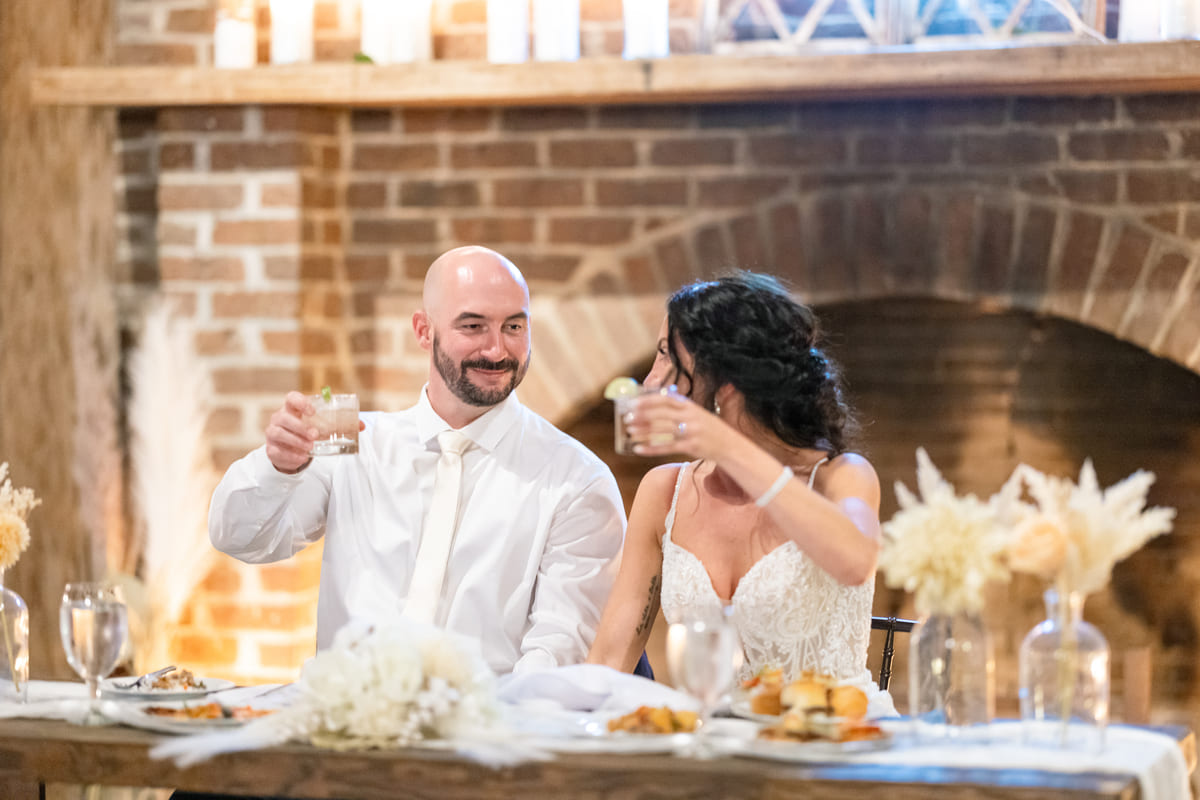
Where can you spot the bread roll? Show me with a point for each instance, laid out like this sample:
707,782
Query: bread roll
848,701
804,694
766,701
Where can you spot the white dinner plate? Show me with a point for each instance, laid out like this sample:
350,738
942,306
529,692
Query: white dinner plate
110,689
619,743
741,708
800,752
135,715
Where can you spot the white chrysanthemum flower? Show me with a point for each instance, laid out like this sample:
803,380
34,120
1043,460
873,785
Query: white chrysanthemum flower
392,685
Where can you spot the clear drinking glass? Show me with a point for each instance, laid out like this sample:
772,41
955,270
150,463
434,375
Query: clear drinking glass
336,421
94,624
703,652
623,405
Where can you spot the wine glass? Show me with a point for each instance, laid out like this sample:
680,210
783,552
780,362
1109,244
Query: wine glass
94,624
703,652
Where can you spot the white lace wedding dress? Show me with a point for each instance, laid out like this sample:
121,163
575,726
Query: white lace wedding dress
789,613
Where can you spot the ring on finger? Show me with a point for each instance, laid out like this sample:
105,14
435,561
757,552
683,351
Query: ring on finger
680,430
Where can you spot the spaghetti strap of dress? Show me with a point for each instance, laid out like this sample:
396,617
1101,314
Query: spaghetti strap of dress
812,476
675,499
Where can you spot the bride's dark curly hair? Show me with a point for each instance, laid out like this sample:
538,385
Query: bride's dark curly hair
745,329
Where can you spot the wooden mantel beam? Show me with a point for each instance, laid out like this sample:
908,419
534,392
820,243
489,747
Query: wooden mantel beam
1066,69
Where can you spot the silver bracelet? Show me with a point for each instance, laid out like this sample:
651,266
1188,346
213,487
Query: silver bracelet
776,487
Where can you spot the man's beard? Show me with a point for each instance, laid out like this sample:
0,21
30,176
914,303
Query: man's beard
455,376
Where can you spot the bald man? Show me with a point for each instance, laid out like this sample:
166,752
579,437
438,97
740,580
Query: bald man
540,519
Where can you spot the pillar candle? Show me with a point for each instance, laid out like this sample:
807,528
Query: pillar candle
1180,19
235,37
291,31
1139,21
397,31
508,31
556,30
647,29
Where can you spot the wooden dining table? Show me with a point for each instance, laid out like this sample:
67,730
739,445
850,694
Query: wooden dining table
35,753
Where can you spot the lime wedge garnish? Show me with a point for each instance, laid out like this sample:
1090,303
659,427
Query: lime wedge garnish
327,394
620,387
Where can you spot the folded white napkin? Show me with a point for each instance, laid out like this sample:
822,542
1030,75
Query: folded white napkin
589,687
50,700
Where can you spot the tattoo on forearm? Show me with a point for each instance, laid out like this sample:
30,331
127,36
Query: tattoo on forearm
651,609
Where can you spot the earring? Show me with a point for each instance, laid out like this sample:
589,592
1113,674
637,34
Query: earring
716,407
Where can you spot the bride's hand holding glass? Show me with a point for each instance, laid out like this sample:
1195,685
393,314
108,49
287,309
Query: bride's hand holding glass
665,423
94,624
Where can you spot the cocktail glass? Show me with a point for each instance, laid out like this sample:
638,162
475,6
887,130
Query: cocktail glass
336,419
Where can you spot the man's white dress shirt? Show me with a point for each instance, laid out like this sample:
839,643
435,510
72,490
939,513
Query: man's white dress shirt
540,525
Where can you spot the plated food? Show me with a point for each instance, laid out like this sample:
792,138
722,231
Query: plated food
812,708
766,690
206,711
177,680
180,684
648,719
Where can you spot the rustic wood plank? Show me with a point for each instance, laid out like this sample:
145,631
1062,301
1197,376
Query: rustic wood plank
16,789
1075,69
59,348
41,751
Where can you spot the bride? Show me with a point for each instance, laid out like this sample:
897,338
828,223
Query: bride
773,515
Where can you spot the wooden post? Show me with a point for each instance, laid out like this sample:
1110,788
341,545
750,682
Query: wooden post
58,329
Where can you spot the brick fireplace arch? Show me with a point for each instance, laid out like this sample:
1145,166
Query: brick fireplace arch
1113,271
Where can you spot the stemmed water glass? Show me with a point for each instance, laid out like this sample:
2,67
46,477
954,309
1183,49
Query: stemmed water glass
94,624
703,651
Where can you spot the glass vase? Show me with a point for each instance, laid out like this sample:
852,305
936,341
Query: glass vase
952,677
14,646
1064,679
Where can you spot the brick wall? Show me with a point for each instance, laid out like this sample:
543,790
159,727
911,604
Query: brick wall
297,238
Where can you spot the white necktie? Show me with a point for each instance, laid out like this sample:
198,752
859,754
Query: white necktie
425,588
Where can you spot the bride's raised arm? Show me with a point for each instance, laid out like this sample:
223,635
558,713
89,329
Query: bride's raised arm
633,605
836,523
